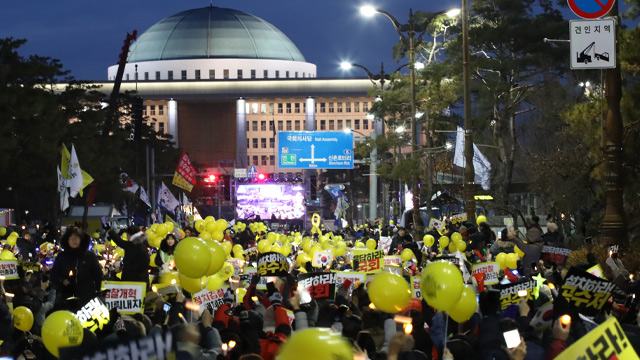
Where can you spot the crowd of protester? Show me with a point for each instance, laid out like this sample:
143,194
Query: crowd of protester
66,273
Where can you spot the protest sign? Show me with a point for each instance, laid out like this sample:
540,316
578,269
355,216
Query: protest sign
9,269
490,271
555,254
415,287
508,223
318,285
588,293
159,346
354,277
384,243
436,224
209,300
322,259
25,265
509,292
607,341
596,270
126,296
458,218
237,265
94,315
370,261
392,260
393,269
272,264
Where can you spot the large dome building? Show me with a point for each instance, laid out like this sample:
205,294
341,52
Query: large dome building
223,83
214,43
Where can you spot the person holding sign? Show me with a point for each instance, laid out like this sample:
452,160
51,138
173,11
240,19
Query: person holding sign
76,271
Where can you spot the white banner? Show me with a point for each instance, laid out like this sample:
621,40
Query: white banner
125,296
210,300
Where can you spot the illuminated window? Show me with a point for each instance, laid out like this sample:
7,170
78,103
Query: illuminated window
347,106
340,107
331,107
356,106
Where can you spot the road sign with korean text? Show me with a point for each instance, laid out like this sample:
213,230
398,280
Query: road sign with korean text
315,150
593,44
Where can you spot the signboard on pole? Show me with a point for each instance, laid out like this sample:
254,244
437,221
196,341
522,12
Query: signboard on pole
315,150
252,173
240,173
590,9
593,44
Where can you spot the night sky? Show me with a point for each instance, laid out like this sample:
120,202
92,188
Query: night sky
86,35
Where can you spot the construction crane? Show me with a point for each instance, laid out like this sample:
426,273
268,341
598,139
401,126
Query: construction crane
113,99
584,57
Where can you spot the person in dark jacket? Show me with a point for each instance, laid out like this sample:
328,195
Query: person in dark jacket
76,271
27,248
502,245
136,256
532,249
165,255
553,237
397,240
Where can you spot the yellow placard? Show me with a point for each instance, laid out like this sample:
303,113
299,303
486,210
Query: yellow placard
607,341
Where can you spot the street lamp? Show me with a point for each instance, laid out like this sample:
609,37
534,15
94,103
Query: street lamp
411,33
373,176
382,77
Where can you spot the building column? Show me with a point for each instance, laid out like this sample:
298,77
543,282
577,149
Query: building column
310,115
172,121
241,134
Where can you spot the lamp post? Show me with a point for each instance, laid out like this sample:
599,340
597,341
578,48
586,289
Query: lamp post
411,34
373,174
469,172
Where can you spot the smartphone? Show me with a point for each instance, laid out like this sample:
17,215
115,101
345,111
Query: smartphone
271,288
166,307
512,338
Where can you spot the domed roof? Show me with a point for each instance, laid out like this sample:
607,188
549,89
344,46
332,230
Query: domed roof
213,32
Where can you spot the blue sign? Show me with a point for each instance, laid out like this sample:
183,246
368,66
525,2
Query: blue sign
315,150
252,173
591,9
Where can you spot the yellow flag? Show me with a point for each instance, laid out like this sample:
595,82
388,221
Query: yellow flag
64,164
86,180
607,341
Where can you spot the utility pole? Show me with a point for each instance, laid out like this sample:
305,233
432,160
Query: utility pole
469,171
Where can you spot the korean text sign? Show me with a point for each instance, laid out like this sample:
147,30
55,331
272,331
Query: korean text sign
125,296
490,271
272,264
586,292
509,293
556,255
370,261
607,341
210,300
319,285
94,315
9,269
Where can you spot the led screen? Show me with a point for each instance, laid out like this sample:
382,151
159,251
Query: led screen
270,201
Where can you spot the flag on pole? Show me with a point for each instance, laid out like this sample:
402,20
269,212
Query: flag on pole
75,174
129,184
62,189
64,163
86,180
185,174
144,197
481,164
166,199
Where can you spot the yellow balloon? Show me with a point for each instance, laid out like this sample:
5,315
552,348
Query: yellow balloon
406,254
7,255
192,257
200,225
518,252
209,219
237,248
441,285
443,242
461,245
264,246
429,240
192,285
512,261
371,244
286,250
166,278
205,235
118,253
22,318
465,307
152,260
3,231
217,257
14,234
480,219
315,344
390,293
11,240
154,241
210,227
302,259
162,230
214,283
341,249
227,271
452,247
61,329
217,235
169,226
95,235
276,248
456,236
306,246
272,237
226,246
501,259
359,244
